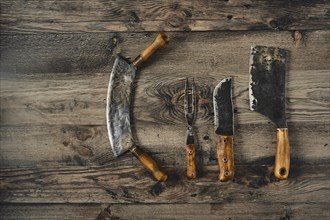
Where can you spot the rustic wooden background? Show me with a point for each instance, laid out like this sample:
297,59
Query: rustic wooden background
56,57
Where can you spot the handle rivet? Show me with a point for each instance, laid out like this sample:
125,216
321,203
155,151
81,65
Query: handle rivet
225,159
282,171
226,173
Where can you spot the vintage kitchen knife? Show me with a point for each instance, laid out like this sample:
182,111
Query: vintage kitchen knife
267,96
118,107
223,121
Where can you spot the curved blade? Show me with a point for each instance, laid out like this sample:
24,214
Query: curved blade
223,108
267,83
118,106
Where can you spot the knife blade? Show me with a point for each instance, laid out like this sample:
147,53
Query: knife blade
267,96
223,121
119,103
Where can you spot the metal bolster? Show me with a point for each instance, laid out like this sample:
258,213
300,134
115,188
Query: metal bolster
190,135
137,152
137,61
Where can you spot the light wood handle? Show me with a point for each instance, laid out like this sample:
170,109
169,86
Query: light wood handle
226,157
149,164
282,155
158,43
191,163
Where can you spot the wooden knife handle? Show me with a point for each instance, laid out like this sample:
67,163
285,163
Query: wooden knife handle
149,164
282,155
158,43
191,163
226,157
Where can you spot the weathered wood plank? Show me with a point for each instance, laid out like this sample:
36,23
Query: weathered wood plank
166,211
225,211
80,100
188,54
253,183
89,145
50,211
136,16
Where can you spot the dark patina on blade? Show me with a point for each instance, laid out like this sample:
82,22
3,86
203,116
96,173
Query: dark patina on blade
267,83
118,106
223,108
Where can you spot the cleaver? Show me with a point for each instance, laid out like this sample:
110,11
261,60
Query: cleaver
267,96
118,107
223,121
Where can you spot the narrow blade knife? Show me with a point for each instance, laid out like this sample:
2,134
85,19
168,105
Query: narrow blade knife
223,121
267,96
118,107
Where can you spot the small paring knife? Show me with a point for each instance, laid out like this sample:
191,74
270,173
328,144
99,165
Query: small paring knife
224,127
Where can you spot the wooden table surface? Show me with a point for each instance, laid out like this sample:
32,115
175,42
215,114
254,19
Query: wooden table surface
55,157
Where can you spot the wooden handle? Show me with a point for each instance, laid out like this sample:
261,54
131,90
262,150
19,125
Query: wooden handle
226,157
282,155
191,164
158,43
149,164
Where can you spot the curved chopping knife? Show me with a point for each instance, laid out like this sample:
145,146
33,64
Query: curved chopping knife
118,107
267,96
223,121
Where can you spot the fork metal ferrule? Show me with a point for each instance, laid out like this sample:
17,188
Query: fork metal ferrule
190,115
190,135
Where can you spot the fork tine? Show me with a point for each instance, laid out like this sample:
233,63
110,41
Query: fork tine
186,108
193,97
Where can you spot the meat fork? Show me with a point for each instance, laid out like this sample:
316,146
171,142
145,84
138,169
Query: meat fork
190,114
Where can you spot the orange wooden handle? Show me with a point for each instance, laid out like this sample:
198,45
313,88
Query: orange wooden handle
158,43
149,164
282,154
191,163
226,157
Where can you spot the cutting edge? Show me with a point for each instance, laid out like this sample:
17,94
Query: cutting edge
251,97
216,114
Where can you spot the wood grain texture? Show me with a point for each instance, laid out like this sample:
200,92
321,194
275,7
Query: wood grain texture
159,42
191,161
55,160
149,164
282,154
130,16
89,145
218,211
129,184
226,157
51,211
223,53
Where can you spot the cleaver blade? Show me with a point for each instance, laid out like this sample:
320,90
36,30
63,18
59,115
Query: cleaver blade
224,127
267,96
119,103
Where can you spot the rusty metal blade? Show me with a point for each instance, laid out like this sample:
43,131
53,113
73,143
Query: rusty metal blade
267,83
223,108
118,106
